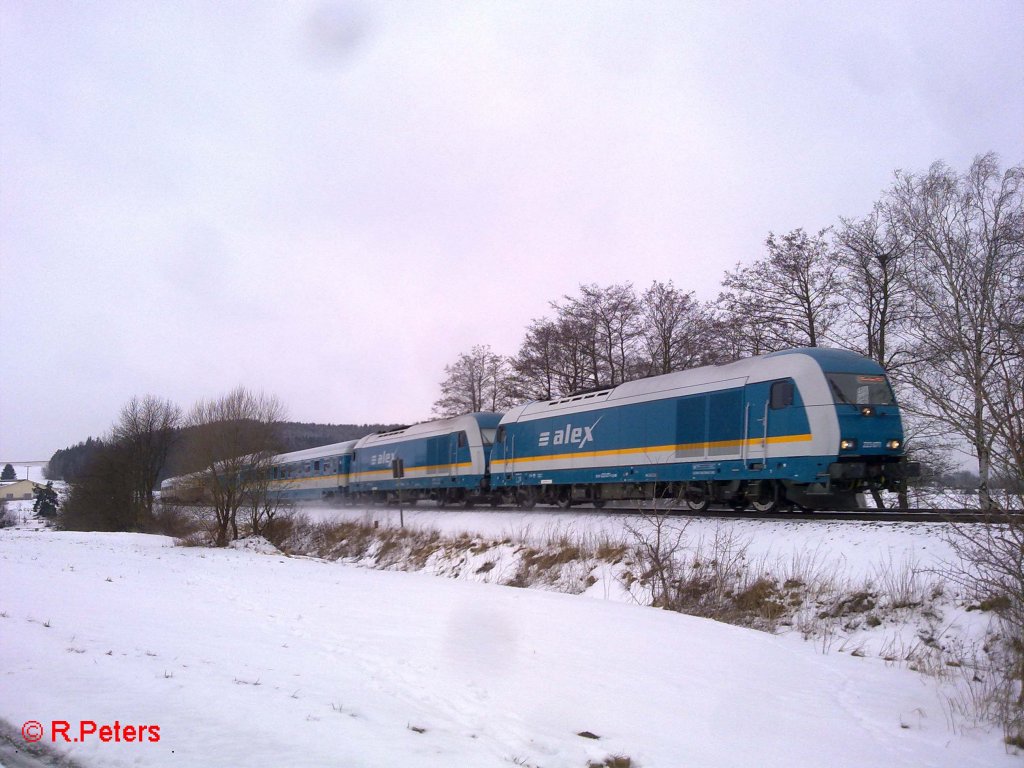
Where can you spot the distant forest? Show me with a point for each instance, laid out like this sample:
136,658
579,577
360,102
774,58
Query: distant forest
68,463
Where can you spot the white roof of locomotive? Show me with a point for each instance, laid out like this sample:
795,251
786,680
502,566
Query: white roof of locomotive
424,429
804,368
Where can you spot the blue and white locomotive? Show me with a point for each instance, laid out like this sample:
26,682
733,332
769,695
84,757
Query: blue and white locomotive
445,461
811,427
806,427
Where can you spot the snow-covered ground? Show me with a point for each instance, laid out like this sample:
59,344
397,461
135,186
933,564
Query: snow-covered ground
248,657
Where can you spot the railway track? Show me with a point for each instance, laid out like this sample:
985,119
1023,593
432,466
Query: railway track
923,515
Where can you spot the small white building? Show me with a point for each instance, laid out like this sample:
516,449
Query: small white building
19,490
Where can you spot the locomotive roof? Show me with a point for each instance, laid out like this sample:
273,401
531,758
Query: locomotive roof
831,360
797,363
334,449
483,418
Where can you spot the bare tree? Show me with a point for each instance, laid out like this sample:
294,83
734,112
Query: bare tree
874,253
479,380
609,319
538,361
234,439
743,324
677,330
145,432
1004,397
554,359
113,489
658,542
789,298
594,340
968,238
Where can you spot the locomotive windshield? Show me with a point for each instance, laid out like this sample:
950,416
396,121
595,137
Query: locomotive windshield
488,436
860,389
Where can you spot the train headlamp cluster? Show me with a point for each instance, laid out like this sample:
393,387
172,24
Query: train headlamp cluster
892,445
847,444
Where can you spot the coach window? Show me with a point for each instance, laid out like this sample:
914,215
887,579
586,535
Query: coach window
463,440
782,394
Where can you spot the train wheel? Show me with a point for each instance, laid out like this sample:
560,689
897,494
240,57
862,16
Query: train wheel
526,499
767,499
697,498
598,503
697,505
564,499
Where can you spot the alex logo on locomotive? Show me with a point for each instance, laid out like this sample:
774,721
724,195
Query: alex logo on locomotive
569,435
382,459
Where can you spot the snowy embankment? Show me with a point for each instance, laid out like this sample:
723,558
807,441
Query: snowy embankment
856,548
249,658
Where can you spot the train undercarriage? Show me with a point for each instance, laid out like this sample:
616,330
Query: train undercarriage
845,486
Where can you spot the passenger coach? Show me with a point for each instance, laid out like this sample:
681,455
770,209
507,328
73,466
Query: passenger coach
313,473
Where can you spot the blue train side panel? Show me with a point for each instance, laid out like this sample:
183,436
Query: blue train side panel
748,426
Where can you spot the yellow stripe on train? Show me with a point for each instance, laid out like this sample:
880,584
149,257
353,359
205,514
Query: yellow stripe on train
657,448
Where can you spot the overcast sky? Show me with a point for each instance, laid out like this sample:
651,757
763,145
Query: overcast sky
331,201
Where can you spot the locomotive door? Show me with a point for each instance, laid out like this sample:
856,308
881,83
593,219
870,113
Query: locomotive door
453,454
769,413
458,449
756,417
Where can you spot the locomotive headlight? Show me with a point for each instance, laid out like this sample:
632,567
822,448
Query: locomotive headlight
847,444
892,445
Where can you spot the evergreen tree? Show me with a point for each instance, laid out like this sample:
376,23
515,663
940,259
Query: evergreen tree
8,473
46,501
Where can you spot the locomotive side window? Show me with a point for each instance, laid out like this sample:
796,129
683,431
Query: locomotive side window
463,440
781,394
